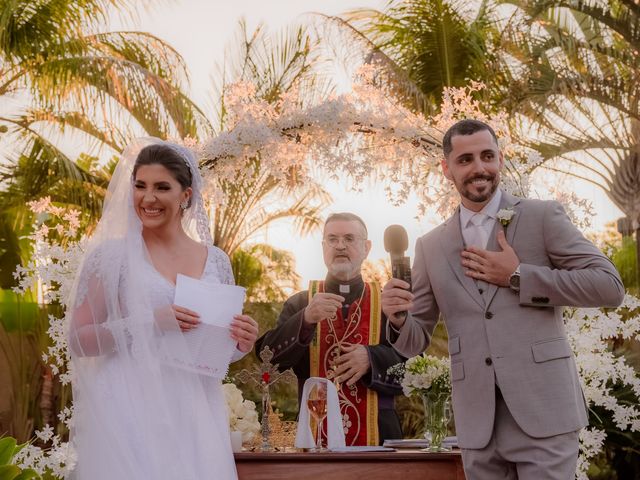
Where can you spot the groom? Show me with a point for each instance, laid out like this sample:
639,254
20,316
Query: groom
500,289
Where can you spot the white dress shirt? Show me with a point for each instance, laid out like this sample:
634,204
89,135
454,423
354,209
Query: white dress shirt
478,234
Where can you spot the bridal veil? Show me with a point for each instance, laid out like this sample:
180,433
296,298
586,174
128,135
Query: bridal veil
137,415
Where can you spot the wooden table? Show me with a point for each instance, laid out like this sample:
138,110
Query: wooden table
404,465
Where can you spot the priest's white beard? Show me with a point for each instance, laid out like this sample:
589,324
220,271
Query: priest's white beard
343,271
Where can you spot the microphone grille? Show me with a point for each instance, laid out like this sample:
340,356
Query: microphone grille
396,239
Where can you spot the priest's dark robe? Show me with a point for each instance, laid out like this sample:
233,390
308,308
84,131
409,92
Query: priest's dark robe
290,341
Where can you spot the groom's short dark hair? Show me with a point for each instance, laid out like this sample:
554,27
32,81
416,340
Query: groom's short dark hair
468,126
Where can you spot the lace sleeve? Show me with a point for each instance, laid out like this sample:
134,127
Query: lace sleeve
103,262
221,265
92,325
89,272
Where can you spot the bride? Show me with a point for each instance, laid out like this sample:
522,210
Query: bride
137,416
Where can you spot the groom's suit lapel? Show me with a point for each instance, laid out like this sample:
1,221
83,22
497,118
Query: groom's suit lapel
507,201
452,245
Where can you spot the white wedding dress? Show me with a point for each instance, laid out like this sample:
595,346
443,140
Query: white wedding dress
122,432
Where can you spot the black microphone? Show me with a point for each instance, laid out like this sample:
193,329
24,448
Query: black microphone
396,243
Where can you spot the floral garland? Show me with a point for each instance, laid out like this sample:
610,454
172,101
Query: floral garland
57,253
361,134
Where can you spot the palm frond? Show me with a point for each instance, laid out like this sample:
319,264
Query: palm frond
394,77
623,21
253,204
158,106
625,187
43,170
31,28
109,134
433,42
579,92
146,50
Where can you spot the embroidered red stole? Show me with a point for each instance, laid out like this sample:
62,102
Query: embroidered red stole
358,404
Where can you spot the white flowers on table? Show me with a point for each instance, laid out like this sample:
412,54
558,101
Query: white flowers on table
243,416
424,374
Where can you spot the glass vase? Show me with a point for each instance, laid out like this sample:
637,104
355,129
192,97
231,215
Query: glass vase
437,413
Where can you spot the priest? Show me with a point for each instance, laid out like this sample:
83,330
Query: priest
336,330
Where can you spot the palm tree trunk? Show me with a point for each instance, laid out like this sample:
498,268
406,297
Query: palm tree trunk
46,397
624,226
638,256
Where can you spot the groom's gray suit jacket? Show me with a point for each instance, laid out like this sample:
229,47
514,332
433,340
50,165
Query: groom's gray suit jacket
517,341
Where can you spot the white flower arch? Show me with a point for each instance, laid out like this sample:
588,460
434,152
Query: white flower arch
361,134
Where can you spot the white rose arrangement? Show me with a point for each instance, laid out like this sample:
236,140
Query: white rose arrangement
423,374
243,416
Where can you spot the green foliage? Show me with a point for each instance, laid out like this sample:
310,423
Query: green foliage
439,346
284,395
23,338
411,413
265,272
410,409
8,471
18,313
15,248
435,43
625,259
576,95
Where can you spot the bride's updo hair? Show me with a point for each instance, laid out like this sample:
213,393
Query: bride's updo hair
169,158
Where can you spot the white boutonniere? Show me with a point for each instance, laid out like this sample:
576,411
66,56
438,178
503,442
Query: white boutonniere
505,215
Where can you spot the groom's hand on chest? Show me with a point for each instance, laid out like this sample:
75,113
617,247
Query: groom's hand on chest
491,267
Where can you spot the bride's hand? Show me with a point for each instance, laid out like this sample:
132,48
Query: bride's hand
244,330
187,319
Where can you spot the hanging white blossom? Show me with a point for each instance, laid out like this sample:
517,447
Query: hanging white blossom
361,134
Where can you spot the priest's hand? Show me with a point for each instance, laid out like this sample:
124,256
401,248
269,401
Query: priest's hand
352,364
491,267
321,306
244,330
396,299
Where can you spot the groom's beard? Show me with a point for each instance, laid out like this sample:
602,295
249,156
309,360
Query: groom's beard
483,196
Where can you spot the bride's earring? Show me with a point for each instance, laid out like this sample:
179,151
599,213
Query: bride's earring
184,205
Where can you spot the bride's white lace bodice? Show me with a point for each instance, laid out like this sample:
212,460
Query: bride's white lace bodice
193,407
217,270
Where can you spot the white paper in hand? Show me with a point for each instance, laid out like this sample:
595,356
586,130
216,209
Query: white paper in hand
208,348
216,303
